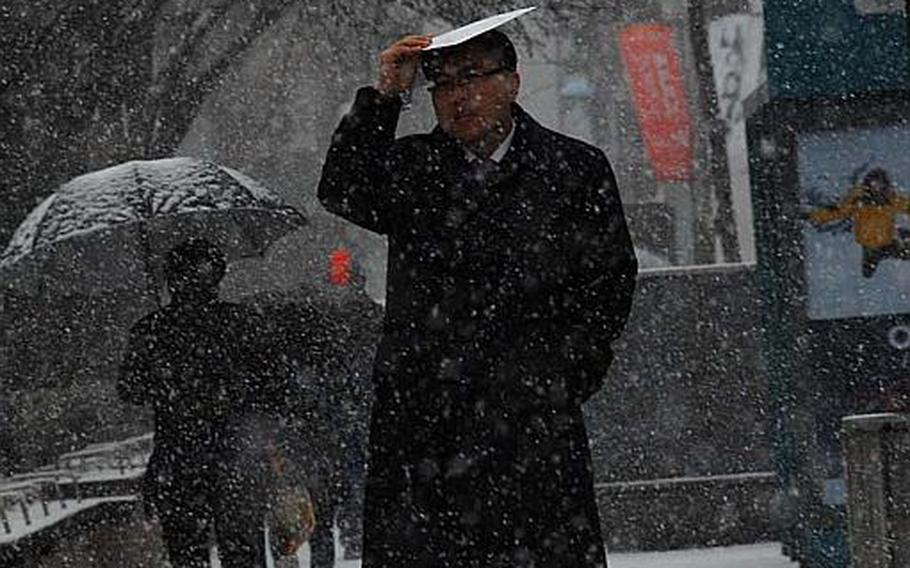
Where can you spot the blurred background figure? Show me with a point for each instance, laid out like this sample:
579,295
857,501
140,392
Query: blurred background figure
329,333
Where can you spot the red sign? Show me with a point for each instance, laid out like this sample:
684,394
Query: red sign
340,267
653,72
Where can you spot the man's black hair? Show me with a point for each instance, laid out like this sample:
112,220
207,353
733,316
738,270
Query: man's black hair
493,45
193,252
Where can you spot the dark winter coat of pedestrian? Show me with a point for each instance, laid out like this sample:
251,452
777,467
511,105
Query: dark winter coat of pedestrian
206,368
510,273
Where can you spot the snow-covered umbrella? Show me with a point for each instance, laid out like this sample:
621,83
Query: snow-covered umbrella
110,228
91,254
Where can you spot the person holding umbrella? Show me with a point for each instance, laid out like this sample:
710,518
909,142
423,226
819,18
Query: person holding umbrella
208,370
511,272
206,367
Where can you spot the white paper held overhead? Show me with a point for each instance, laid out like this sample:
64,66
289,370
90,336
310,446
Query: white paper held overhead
474,29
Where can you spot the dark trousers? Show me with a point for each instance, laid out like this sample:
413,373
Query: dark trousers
190,512
322,541
339,499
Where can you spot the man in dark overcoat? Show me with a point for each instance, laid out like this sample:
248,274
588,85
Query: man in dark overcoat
510,273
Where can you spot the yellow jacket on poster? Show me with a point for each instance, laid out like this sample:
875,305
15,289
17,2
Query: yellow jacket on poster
873,224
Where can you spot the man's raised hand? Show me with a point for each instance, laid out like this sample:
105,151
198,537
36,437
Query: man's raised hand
398,64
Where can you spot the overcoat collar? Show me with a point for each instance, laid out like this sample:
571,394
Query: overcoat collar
526,153
526,165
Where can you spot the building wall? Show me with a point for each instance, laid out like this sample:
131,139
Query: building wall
686,394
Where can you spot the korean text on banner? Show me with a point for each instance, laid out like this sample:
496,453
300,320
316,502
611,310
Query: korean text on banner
652,66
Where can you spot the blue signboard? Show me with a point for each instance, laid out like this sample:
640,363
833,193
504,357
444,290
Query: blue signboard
829,182
835,47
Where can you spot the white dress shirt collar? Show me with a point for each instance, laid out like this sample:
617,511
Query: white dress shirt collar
499,153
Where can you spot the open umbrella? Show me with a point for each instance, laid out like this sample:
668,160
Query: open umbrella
110,228
87,262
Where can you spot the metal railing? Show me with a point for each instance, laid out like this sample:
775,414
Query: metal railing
32,501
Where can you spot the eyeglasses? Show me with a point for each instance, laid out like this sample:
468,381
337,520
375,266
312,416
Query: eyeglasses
445,84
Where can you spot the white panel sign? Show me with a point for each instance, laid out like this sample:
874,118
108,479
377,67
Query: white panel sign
737,45
737,55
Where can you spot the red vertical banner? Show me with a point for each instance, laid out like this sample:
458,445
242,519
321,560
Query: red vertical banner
652,66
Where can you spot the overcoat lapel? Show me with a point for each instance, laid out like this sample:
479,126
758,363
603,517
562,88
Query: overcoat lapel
478,201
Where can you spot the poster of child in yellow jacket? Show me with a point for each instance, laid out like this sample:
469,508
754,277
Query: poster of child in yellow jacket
873,207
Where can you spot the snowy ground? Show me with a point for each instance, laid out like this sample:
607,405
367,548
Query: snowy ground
752,556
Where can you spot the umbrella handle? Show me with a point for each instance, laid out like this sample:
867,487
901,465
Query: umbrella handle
150,281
